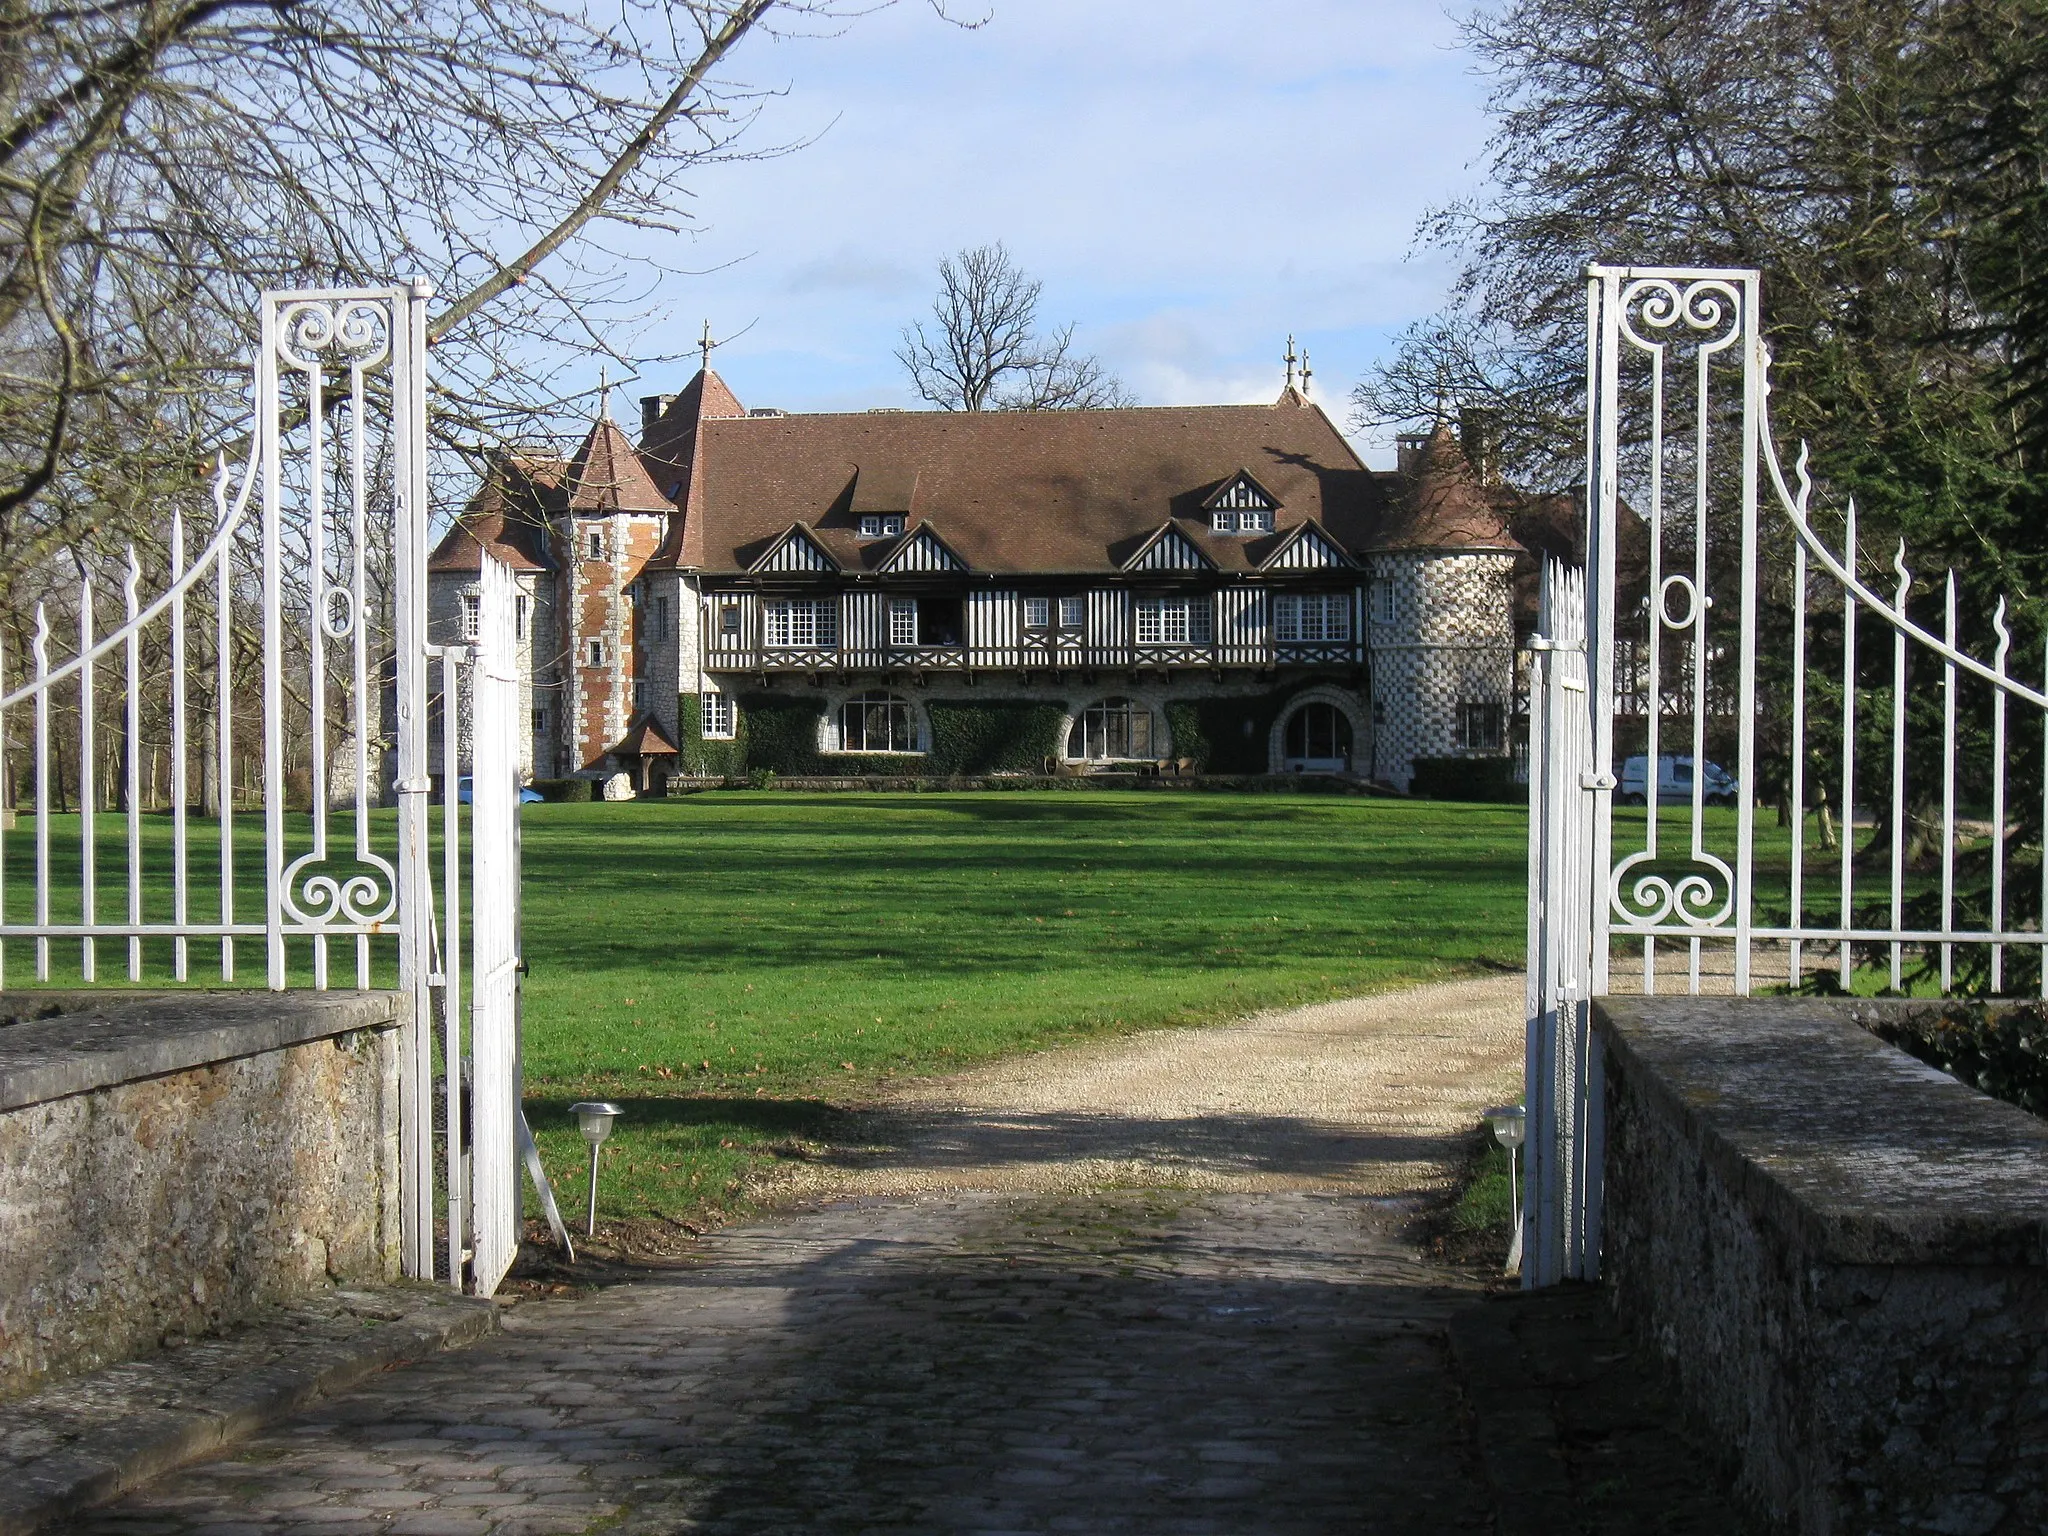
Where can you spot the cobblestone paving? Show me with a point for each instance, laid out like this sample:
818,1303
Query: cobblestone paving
1130,1361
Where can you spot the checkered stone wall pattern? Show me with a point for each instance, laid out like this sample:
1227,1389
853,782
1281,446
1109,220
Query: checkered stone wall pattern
1442,638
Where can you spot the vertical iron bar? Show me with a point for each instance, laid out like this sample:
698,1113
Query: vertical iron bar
1795,968
1745,798
1848,752
268,386
1948,786
88,785
451,955
1998,797
224,752
1899,767
131,788
41,649
181,883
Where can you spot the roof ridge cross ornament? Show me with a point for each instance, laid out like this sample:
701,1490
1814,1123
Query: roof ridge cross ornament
704,346
1306,373
1289,359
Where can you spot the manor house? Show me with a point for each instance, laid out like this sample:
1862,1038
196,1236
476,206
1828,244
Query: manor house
1224,588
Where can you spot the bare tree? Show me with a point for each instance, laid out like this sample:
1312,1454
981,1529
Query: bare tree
983,351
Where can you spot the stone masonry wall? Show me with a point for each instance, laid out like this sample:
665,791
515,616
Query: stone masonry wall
169,1162
1842,1257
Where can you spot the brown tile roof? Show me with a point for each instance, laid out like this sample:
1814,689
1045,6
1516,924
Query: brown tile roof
673,453
1055,491
1445,505
644,739
606,475
508,516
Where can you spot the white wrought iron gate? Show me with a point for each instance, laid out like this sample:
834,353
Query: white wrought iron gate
1718,656
244,727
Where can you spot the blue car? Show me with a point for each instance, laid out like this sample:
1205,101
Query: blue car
526,796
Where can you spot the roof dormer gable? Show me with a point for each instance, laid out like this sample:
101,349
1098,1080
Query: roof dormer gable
1307,548
797,550
921,550
1168,549
1241,505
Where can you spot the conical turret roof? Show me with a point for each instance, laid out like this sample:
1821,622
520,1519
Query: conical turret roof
1444,505
606,475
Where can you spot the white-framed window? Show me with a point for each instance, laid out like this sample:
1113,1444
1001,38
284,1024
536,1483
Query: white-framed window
801,623
903,621
639,695
881,525
540,720
1312,616
593,544
594,653
1481,725
522,616
1038,613
878,722
715,716
1112,729
472,615
1241,520
1073,614
1175,621
1379,598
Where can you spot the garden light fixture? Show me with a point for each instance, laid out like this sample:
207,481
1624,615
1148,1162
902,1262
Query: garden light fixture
1510,1124
594,1119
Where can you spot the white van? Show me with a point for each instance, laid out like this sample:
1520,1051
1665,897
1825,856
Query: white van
1674,782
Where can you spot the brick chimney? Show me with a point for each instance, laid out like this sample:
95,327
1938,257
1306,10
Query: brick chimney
651,407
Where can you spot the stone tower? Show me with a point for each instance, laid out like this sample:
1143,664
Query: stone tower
1440,614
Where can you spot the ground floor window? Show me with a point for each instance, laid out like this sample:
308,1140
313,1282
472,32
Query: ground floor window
1114,728
877,722
1318,735
1481,726
715,716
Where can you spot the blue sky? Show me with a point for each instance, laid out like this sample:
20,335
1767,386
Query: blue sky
1191,179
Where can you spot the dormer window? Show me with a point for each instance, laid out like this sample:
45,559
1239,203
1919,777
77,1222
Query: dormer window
881,525
1242,505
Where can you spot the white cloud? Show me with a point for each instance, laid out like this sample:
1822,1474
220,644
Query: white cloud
1192,179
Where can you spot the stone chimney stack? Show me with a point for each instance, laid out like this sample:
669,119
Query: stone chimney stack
1408,451
1479,435
651,407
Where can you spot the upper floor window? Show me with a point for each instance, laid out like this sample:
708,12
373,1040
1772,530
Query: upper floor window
594,653
540,720
472,615
799,623
903,621
1038,613
1241,507
1481,725
877,722
639,695
1311,616
594,544
1073,614
522,615
881,525
1380,602
1175,621
715,716
729,618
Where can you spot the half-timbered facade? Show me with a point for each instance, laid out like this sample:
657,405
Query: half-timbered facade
1216,587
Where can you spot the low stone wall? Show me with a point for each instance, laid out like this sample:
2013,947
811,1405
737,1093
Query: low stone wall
171,1161
1842,1256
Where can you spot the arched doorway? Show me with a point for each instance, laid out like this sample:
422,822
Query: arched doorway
1317,740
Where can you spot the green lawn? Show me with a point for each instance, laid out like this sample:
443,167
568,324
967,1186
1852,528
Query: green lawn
718,963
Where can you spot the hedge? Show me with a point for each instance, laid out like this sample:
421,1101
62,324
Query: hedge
2002,1051
1489,779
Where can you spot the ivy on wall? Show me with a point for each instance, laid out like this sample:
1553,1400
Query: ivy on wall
779,732
696,756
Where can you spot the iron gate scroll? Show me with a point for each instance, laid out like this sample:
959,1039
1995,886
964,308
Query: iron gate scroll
1652,664
255,680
